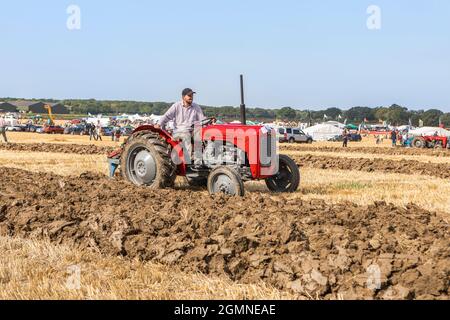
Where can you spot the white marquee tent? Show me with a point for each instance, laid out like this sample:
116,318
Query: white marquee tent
323,132
429,131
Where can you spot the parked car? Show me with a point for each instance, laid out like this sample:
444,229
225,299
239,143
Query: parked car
76,130
127,131
14,128
31,128
356,137
293,135
53,130
107,131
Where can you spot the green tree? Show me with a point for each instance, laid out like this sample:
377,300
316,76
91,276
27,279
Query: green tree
358,114
333,113
381,113
431,117
302,115
397,115
286,114
416,116
446,119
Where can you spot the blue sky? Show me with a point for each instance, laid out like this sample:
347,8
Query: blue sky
299,53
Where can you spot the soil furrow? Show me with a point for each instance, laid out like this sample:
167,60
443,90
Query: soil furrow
376,164
311,248
379,151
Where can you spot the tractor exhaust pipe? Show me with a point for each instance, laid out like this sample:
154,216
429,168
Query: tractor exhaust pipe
243,112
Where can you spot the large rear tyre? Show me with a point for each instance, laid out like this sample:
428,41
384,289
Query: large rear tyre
225,180
288,177
419,143
146,161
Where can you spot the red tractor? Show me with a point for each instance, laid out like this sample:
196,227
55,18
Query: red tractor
437,142
230,154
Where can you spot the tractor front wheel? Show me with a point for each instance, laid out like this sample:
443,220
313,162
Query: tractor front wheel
225,180
288,177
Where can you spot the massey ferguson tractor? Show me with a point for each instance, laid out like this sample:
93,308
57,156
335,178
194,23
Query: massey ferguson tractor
229,154
436,142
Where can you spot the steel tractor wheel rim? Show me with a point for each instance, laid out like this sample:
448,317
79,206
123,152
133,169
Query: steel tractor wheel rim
141,166
223,183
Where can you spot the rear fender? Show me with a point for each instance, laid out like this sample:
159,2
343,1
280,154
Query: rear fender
176,146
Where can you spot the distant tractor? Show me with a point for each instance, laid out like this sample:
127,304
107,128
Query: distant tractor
230,154
437,142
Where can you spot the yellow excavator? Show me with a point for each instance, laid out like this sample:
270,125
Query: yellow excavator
51,120
50,126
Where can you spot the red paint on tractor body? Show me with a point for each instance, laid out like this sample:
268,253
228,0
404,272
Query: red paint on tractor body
246,138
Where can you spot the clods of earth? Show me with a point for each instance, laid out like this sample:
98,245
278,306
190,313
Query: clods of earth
313,249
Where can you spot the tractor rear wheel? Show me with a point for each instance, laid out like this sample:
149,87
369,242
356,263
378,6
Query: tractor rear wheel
225,180
419,143
146,161
288,177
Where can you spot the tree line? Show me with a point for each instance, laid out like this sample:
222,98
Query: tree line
395,114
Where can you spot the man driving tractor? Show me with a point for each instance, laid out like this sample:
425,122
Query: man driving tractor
184,114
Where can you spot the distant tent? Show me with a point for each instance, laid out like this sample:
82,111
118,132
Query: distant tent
336,124
405,127
429,131
323,132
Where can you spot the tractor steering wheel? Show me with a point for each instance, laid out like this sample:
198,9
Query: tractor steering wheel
207,121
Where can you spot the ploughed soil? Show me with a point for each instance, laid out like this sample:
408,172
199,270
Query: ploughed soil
311,248
368,150
58,148
438,170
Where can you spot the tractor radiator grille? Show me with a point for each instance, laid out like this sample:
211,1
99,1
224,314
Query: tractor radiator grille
266,149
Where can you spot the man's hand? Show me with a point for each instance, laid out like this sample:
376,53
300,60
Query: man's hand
157,126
